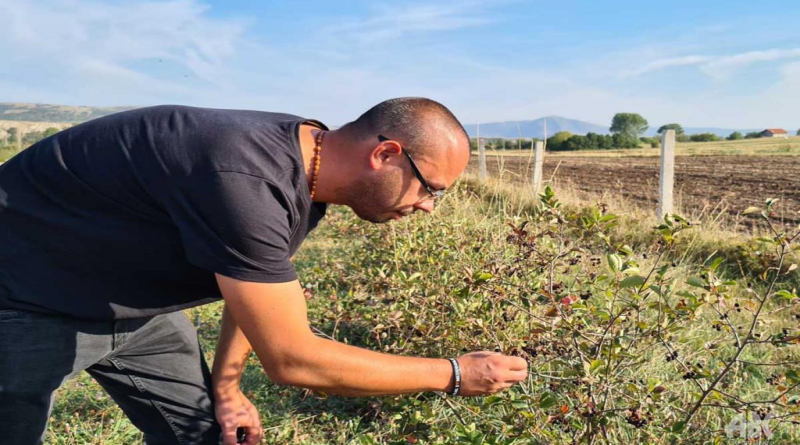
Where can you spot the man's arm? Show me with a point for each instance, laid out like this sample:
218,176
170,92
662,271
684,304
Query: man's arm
232,409
273,318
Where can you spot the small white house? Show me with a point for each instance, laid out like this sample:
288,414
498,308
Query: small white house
774,133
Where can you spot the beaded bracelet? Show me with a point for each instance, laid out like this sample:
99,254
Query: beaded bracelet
456,376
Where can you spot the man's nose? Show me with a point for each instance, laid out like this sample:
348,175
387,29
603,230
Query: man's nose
426,206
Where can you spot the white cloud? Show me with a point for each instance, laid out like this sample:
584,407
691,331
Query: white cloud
93,41
718,67
669,63
722,67
388,22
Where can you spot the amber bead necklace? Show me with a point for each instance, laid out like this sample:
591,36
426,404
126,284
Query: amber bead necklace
315,162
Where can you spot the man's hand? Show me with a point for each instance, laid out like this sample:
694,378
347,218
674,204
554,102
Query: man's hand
234,411
484,373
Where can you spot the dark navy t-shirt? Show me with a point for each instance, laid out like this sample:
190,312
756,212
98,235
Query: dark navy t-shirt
131,214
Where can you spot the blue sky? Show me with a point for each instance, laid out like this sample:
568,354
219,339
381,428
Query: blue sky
725,63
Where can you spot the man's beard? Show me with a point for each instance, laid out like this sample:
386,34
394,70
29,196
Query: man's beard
372,200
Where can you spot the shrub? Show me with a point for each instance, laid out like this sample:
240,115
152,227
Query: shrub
624,345
735,136
704,137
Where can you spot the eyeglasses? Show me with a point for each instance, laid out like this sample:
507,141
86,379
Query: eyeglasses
434,194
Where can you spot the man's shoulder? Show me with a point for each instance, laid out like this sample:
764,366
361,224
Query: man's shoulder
186,114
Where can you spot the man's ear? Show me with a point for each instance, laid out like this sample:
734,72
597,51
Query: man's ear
383,153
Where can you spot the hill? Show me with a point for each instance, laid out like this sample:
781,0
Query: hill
53,113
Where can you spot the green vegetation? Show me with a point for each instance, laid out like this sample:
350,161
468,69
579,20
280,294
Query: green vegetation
11,145
704,137
54,113
735,136
677,127
628,127
637,331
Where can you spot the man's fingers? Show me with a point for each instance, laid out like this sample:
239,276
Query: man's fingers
253,435
516,376
517,363
228,435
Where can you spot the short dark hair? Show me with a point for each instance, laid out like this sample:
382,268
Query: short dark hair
416,122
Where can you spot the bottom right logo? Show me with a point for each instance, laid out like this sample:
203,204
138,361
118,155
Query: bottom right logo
755,427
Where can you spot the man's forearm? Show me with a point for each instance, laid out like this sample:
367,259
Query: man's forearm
274,318
336,368
231,356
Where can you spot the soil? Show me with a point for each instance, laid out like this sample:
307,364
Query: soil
705,186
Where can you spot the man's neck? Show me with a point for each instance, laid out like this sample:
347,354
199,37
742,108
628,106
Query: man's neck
307,138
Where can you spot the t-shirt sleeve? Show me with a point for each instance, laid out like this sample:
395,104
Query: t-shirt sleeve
235,224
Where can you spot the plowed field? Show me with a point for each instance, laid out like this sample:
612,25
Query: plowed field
705,186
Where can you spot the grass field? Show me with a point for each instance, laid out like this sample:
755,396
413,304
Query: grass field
474,275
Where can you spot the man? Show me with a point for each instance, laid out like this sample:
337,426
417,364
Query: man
109,228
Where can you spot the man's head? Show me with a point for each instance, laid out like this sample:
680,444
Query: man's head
398,147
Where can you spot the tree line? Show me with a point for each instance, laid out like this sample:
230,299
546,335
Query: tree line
626,132
15,138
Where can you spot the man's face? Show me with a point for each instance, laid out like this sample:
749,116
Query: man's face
394,191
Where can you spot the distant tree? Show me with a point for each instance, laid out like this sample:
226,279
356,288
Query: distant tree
630,125
600,141
622,140
50,131
682,138
555,142
704,137
653,142
576,142
735,136
677,127
798,133
753,135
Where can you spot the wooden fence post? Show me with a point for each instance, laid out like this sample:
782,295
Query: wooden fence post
538,161
667,176
481,158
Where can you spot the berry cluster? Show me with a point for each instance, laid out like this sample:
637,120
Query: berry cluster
636,419
670,356
774,379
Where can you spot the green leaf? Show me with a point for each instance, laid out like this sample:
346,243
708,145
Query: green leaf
595,365
547,400
634,281
785,294
716,263
482,277
519,404
678,427
614,262
792,377
696,282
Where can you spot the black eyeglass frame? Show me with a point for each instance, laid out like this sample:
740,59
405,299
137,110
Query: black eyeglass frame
434,194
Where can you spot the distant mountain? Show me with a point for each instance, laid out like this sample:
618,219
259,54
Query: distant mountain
53,113
534,128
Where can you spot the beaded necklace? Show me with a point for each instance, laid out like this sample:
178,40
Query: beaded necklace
315,162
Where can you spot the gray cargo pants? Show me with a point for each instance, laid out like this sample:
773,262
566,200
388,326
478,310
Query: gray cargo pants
152,367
